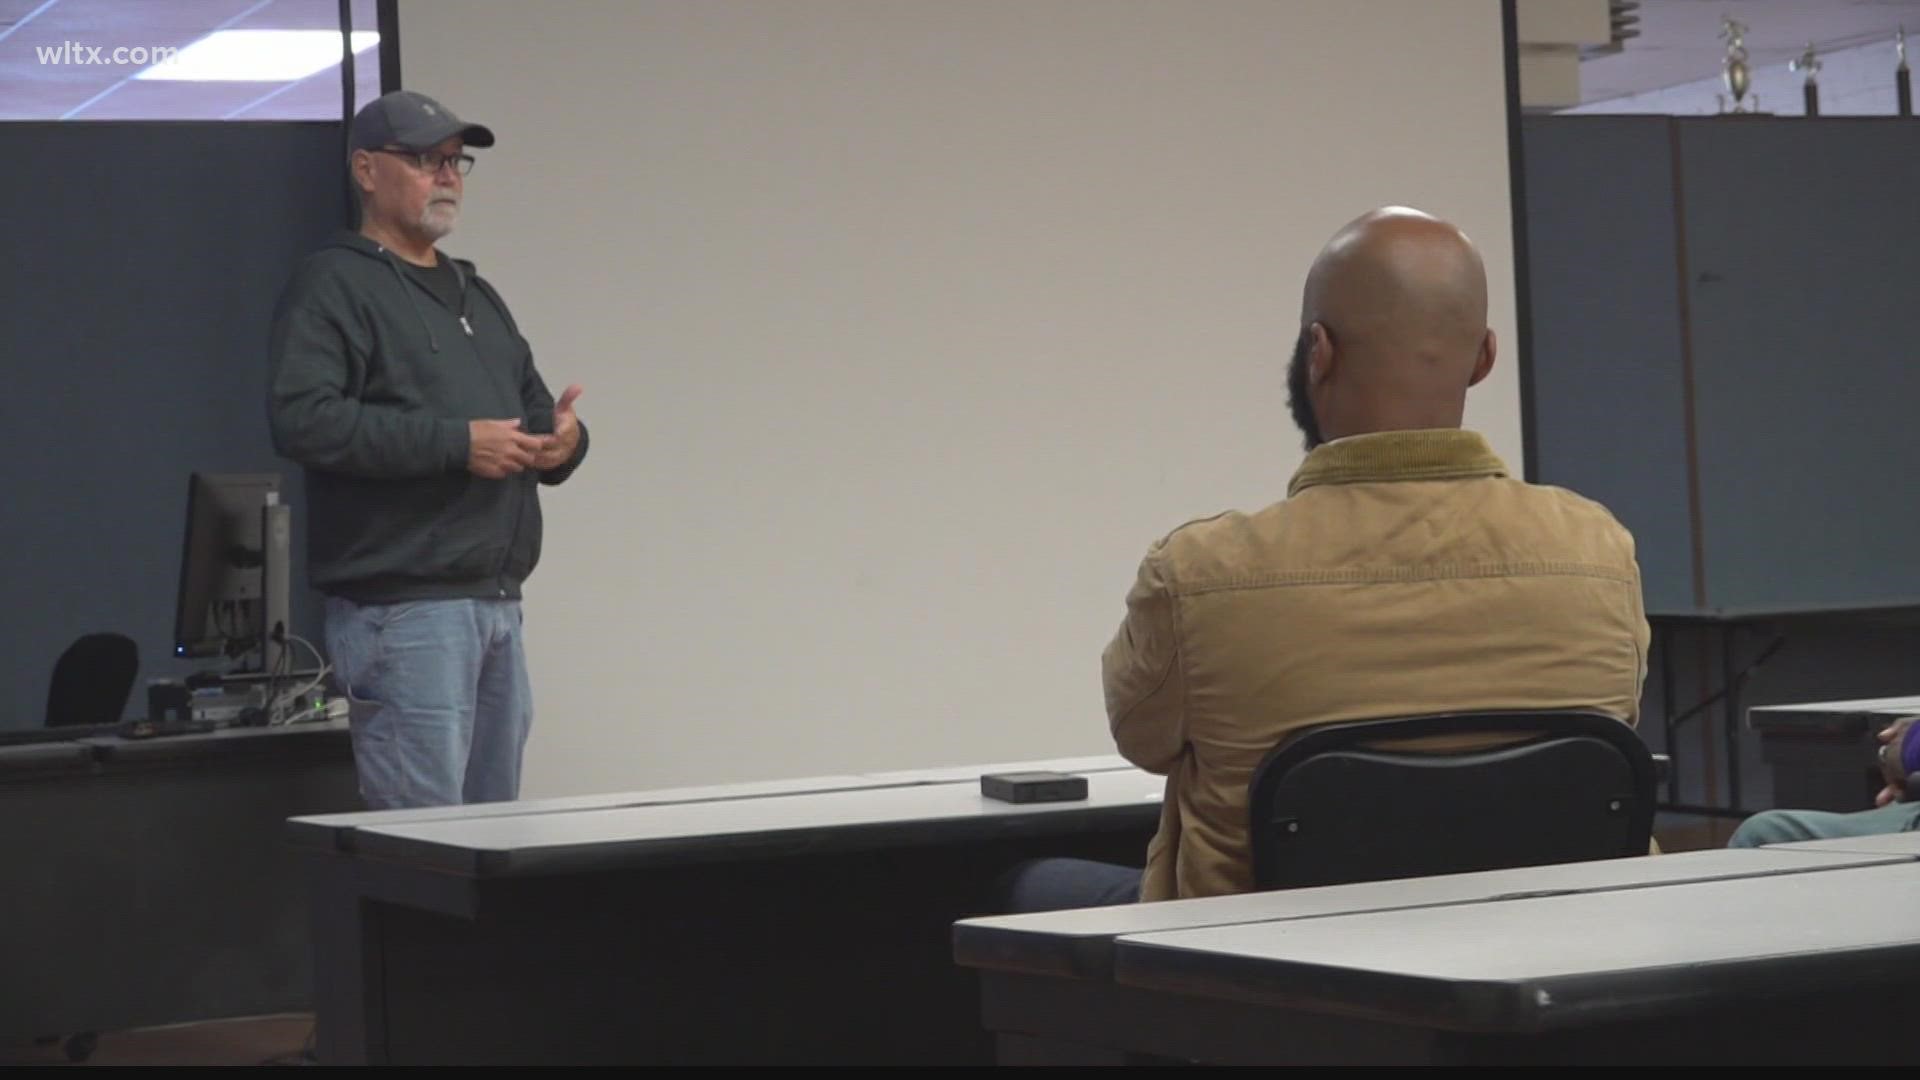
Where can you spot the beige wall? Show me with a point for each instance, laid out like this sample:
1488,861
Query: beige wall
906,325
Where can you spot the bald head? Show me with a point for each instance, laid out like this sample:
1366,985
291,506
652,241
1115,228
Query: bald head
1394,325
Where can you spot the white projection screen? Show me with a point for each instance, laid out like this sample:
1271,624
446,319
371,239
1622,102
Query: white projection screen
906,326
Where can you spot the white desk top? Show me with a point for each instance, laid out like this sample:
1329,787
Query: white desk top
525,843
1868,705
1078,943
333,824
332,830
1851,719
1538,963
1900,843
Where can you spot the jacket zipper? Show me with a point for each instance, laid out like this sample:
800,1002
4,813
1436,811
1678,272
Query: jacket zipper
520,502
520,499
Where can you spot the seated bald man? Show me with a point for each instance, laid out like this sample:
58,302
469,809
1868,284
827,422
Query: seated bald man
1407,573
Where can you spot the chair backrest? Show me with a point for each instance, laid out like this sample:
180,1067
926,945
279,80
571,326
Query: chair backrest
92,681
1329,807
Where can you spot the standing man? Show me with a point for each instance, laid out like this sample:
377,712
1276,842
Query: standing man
401,384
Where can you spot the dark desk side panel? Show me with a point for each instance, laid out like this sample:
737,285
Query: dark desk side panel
160,894
843,958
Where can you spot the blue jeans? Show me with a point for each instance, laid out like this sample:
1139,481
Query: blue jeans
438,698
1065,884
1789,826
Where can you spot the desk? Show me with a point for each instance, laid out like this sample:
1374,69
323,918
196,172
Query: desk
1822,753
44,759
807,926
1765,631
1900,843
149,880
340,830
1079,944
1736,968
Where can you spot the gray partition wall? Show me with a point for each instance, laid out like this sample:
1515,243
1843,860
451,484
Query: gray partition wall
1726,350
1608,394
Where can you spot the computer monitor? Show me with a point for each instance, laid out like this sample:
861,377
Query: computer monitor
234,572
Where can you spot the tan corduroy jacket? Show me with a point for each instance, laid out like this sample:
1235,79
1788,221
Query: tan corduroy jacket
1405,574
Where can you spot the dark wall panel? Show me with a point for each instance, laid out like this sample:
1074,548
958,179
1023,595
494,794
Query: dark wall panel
142,265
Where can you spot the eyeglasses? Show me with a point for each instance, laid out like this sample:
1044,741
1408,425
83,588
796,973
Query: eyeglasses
430,161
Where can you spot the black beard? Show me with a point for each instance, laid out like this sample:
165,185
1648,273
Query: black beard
1298,403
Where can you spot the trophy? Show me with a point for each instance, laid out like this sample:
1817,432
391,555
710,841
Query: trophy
1902,78
1738,76
1810,90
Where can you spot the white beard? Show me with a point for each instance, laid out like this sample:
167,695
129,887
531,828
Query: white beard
438,219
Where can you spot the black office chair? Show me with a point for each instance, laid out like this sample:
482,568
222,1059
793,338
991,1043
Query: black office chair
1328,807
92,681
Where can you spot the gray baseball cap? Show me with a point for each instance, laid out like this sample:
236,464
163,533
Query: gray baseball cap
413,120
